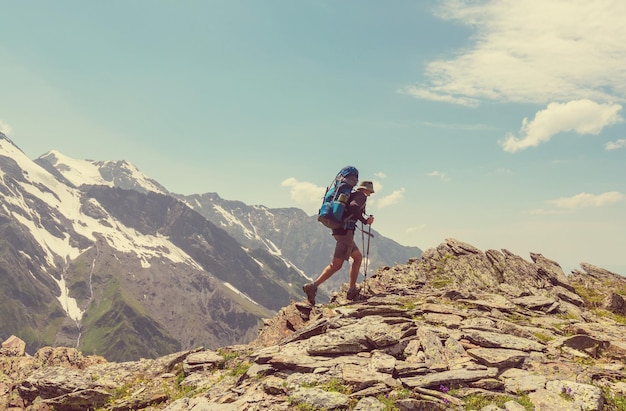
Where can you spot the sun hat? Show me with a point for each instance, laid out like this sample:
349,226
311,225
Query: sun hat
366,185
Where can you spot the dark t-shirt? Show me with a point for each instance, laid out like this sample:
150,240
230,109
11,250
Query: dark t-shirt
355,210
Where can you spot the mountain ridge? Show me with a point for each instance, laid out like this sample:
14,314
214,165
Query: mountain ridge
457,329
287,233
55,233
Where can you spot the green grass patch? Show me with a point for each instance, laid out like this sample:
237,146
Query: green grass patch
516,318
588,361
409,306
239,369
592,298
334,384
228,355
524,401
608,314
119,329
543,337
441,282
389,400
613,402
477,401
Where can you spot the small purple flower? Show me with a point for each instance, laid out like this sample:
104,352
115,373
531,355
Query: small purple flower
443,388
567,392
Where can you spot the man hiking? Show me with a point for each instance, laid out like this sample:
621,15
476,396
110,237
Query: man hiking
346,247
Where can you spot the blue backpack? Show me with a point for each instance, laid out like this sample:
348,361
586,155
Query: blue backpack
331,213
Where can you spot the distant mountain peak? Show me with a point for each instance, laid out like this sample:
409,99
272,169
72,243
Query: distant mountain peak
121,174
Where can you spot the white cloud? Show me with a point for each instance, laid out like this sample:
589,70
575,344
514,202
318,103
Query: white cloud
410,230
419,92
614,145
380,175
391,199
306,195
542,211
581,116
5,128
452,126
584,200
438,174
531,51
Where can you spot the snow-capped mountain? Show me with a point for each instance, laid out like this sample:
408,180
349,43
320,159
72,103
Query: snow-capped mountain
294,236
108,173
291,235
123,273
95,254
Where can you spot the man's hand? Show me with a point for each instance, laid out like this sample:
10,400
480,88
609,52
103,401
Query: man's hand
370,219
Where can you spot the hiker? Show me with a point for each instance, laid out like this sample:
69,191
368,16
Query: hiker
346,247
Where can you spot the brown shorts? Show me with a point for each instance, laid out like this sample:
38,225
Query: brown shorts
345,245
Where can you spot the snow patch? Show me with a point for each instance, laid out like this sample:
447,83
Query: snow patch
78,172
234,221
68,303
244,295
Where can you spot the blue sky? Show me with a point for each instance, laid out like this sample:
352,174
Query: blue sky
499,123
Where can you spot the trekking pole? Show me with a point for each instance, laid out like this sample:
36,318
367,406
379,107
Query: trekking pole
367,254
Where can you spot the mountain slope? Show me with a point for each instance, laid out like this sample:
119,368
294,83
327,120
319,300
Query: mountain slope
165,216
295,236
288,234
67,249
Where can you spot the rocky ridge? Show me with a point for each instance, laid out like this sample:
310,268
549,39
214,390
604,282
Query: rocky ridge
457,329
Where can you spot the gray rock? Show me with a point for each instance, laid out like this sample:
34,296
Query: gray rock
514,406
583,343
521,381
544,400
615,303
586,397
449,320
274,386
534,302
433,350
381,362
320,399
199,404
412,404
13,346
494,340
449,377
360,377
498,357
369,404
202,361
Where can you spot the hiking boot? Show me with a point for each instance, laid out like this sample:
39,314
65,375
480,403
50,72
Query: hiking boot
352,293
310,290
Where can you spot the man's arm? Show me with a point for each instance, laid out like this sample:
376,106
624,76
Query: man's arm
356,206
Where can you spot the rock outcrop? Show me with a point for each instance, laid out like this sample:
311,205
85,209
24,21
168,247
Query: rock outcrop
457,329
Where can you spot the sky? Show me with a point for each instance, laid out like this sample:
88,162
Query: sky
497,123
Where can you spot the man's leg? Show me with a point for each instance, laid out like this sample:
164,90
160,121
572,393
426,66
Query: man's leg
357,257
332,268
310,289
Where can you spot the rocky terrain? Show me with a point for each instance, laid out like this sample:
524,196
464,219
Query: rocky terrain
457,329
